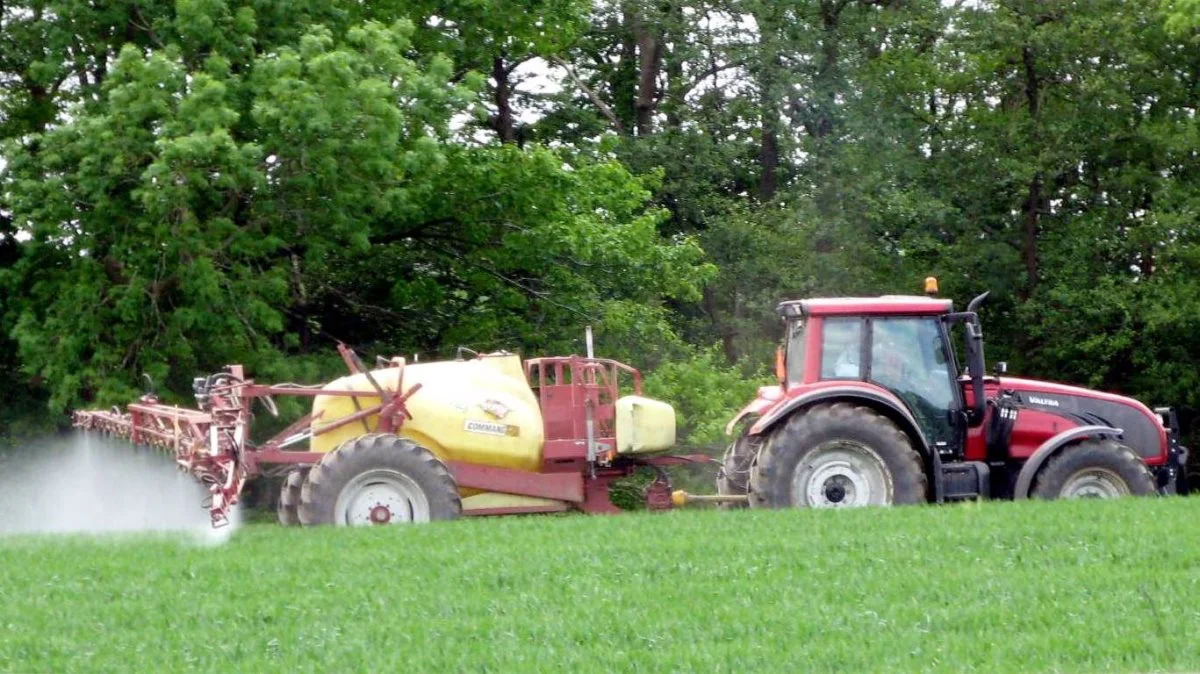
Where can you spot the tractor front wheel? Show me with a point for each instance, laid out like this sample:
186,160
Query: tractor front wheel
838,455
1094,469
378,479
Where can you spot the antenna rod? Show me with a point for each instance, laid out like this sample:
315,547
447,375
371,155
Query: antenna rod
589,405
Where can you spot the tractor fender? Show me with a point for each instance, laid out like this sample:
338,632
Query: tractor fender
870,396
1035,461
767,396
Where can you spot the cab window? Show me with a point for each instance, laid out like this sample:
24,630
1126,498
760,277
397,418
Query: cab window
841,348
795,352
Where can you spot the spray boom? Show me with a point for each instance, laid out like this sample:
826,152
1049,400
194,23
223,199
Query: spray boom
212,442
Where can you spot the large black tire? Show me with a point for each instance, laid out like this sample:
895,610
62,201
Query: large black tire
1096,469
289,497
838,455
368,461
733,477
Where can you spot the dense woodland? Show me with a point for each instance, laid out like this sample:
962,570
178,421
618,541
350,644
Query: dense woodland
188,184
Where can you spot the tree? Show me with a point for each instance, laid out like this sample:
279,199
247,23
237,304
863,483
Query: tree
223,201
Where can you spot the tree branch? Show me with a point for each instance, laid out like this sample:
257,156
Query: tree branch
592,96
709,72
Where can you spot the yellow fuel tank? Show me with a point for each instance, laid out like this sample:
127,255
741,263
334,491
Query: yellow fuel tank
478,411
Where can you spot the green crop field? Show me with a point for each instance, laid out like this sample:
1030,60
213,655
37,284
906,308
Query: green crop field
1028,587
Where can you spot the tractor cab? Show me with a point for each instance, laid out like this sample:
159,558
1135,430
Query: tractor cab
897,345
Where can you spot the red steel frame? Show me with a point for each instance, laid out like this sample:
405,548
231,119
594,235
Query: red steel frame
578,466
569,389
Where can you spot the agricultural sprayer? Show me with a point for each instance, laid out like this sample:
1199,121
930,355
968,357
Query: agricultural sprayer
481,435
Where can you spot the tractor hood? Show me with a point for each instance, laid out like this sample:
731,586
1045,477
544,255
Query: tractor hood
1142,429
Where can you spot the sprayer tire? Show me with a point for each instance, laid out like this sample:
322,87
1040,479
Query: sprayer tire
733,477
1100,468
838,454
289,497
380,453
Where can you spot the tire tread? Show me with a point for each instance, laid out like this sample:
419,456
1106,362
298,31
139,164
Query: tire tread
319,493
769,487
1122,460
289,497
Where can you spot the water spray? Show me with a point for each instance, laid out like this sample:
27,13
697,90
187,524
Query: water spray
82,483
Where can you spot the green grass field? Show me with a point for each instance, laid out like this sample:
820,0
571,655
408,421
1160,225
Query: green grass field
1029,587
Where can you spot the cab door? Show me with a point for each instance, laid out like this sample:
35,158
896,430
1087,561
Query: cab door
908,355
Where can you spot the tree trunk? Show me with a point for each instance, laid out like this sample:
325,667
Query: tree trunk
301,298
625,80
1147,259
725,330
649,51
676,87
1029,248
819,122
825,81
768,105
768,155
502,122
1033,202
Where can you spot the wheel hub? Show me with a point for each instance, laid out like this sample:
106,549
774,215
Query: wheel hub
1094,483
381,497
842,475
835,489
380,514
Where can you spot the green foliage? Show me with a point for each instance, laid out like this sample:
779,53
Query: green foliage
706,393
163,238
245,193
1182,16
987,588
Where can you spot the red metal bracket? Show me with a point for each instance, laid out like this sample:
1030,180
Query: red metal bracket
517,510
557,486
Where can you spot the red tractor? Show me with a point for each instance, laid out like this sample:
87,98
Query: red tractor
872,409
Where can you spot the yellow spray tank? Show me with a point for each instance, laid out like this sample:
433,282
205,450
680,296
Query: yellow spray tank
478,411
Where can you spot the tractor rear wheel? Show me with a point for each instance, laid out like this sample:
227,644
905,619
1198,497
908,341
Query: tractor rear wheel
838,455
378,478
733,477
1094,469
289,497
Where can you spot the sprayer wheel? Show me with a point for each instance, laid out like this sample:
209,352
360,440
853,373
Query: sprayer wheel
289,497
378,478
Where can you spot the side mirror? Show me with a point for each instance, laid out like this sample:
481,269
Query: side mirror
1001,368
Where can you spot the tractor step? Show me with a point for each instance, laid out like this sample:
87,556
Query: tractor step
966,480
